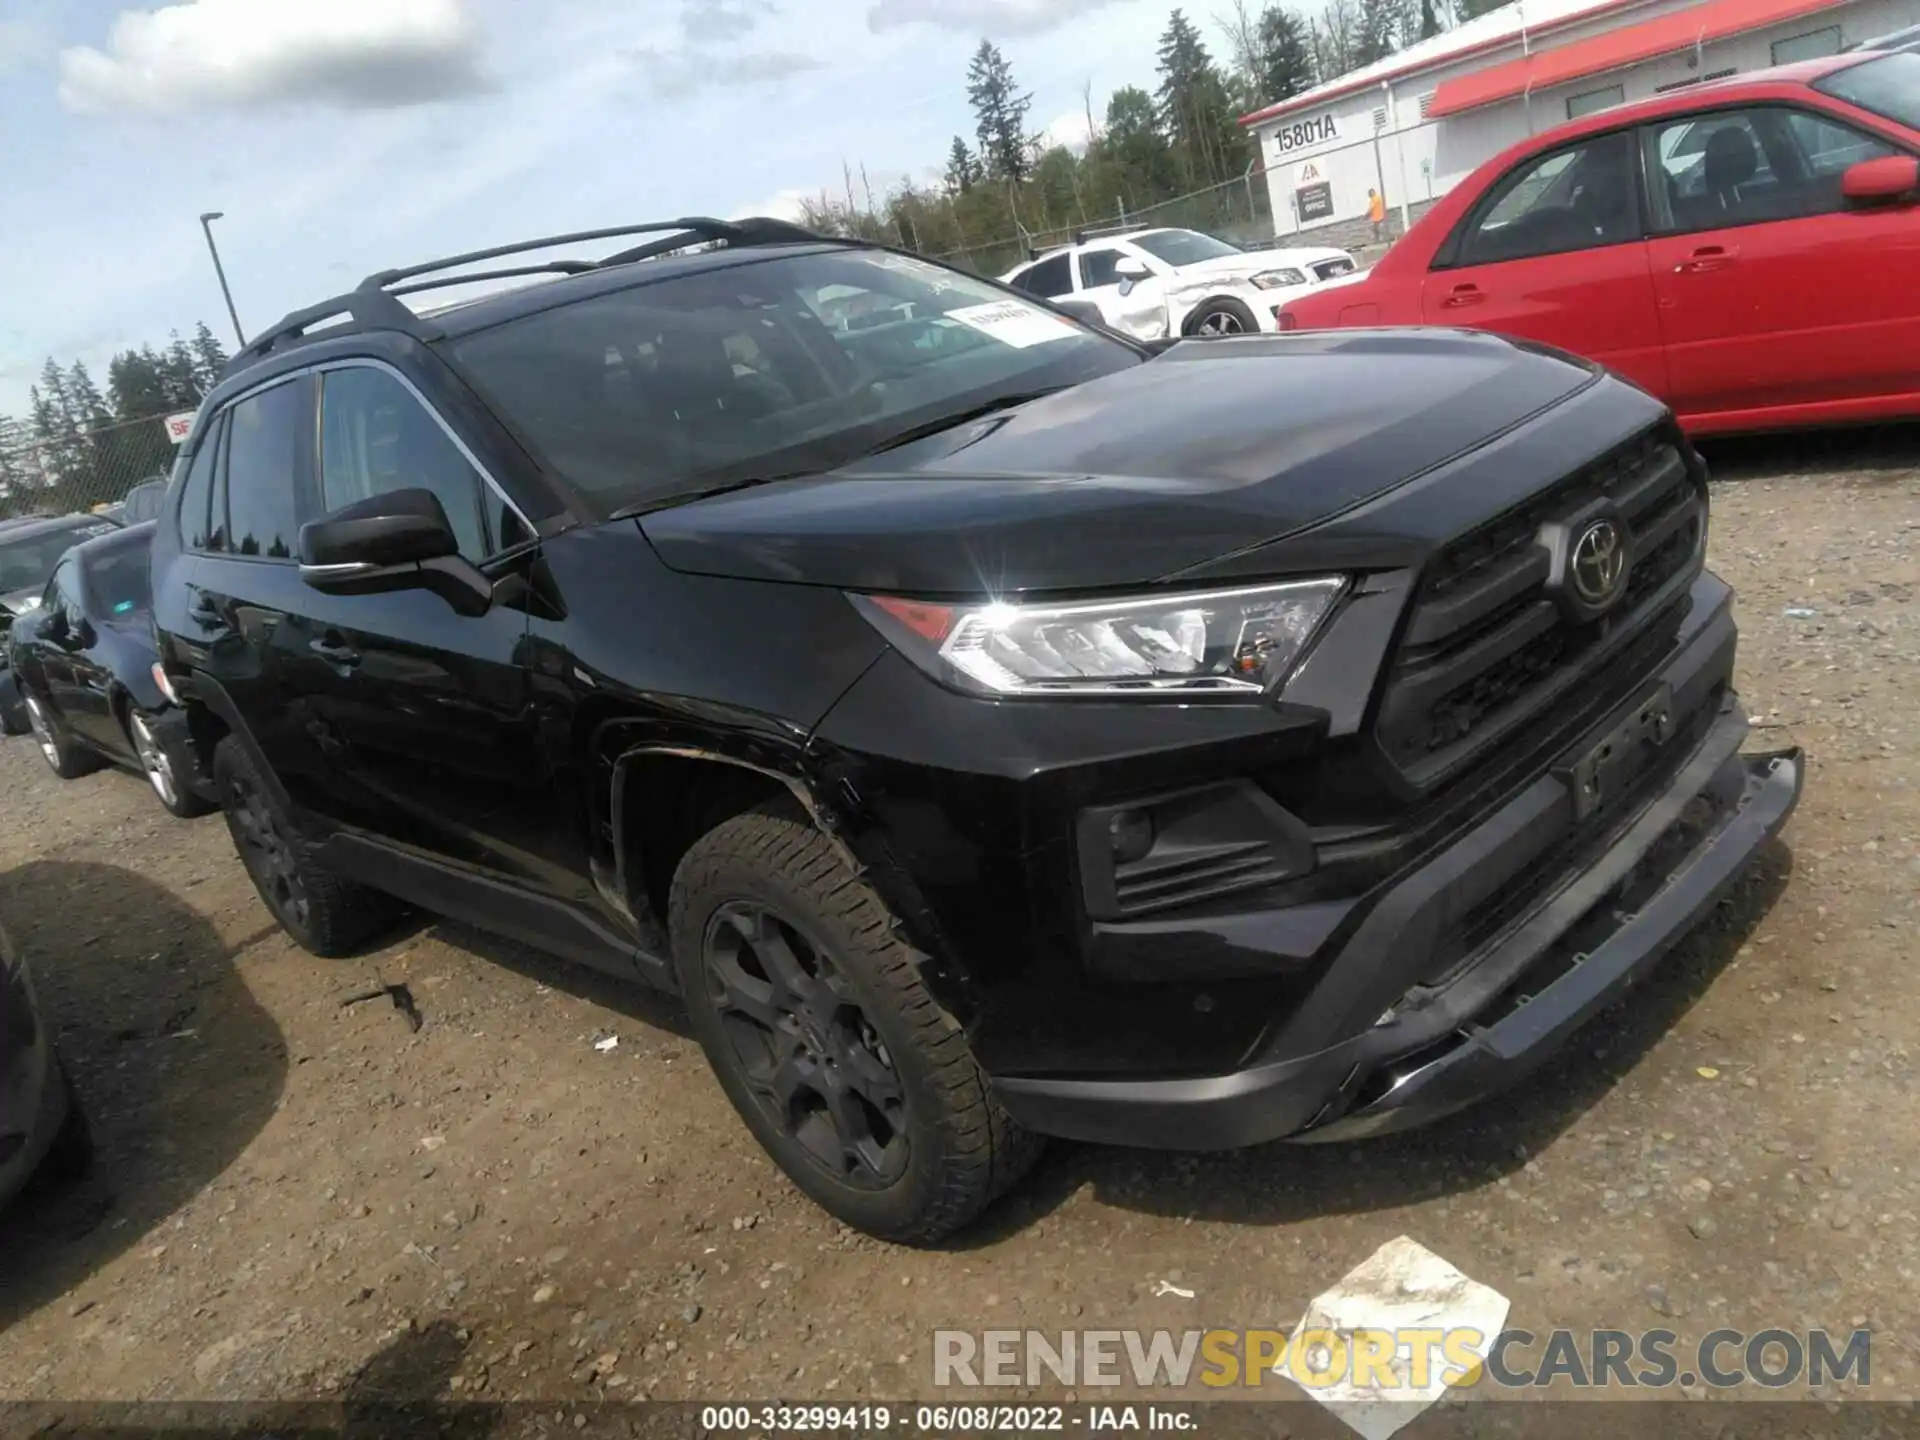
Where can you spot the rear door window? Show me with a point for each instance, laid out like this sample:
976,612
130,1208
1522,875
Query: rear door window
197,493
263,490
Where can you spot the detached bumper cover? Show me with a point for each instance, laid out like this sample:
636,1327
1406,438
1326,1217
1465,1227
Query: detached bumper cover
1441,1045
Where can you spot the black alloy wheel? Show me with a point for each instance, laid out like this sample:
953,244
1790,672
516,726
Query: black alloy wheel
267,854
807,1051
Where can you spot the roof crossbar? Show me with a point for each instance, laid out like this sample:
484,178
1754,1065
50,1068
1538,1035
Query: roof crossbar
372,302
552,267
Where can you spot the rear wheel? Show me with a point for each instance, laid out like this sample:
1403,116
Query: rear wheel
323,913
811,1009
71,1154
1222,317
65,756
162,771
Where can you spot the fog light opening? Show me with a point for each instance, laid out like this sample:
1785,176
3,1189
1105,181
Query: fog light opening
1131,834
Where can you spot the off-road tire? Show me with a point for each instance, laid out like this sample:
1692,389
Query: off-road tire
65,756
325,914
963,1150
1226,309
71,1155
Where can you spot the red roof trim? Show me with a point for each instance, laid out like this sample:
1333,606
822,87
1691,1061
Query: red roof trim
1666,35
1386,77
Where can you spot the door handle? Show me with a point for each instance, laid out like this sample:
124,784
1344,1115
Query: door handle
335,651
1462,296
1707,258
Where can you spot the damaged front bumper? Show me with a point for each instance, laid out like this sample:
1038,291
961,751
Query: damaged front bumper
1587,925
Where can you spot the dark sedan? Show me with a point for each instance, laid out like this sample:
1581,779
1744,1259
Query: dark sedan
40,1122
30,547
84,661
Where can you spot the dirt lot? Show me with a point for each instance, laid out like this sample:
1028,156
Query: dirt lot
293,1194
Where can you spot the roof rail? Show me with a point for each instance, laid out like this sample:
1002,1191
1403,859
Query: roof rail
373,303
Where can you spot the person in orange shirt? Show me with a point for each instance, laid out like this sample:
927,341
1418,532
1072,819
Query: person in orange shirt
1377,213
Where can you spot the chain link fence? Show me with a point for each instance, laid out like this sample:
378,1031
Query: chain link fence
86,471
1239,211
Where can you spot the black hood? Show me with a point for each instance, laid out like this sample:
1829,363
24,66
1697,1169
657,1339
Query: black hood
1214,447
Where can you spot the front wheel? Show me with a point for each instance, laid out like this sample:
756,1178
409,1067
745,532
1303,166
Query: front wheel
163,771
65,756
1222,317
812,1012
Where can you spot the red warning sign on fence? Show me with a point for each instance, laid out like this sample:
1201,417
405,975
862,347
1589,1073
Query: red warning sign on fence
180,426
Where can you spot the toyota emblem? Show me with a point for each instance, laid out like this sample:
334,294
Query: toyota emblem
1598,566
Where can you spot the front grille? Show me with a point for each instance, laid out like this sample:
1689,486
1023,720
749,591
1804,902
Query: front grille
1487,649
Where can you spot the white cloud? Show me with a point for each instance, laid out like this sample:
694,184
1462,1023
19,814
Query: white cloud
674,74
980,17
219,53
1070,130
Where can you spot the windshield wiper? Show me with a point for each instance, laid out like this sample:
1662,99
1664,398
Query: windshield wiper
960,417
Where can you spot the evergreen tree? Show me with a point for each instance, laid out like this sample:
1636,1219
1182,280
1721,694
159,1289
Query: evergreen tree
962,169
1194,110
210,357
1284,57
1000,115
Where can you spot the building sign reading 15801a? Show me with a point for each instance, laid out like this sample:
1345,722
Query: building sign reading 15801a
1303,133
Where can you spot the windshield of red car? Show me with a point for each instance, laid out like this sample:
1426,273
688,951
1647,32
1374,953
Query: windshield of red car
1888,87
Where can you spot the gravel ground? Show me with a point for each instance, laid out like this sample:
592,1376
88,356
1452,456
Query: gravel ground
297,1198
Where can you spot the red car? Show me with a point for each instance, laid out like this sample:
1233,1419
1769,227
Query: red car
1748,250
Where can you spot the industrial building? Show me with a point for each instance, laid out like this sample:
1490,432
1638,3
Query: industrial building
1420,121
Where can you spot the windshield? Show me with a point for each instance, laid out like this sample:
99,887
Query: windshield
117,577
1889,86
782,366
26,563
1182,247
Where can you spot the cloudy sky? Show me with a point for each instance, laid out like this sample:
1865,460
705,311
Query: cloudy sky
345,136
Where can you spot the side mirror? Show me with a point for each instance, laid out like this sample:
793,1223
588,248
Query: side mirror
54,627
82,635
397,541
1890,179
1130,270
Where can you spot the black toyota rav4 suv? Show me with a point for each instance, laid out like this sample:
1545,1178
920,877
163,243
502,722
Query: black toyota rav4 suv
990,728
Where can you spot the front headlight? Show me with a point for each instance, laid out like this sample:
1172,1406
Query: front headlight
1149,646
1277,279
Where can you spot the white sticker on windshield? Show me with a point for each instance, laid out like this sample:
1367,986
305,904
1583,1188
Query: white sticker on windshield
1012,323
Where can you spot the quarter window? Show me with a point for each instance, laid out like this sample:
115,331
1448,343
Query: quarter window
263,510
1579,198
376,437
1048,279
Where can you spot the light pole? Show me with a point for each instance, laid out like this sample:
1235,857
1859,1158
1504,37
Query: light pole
206,224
